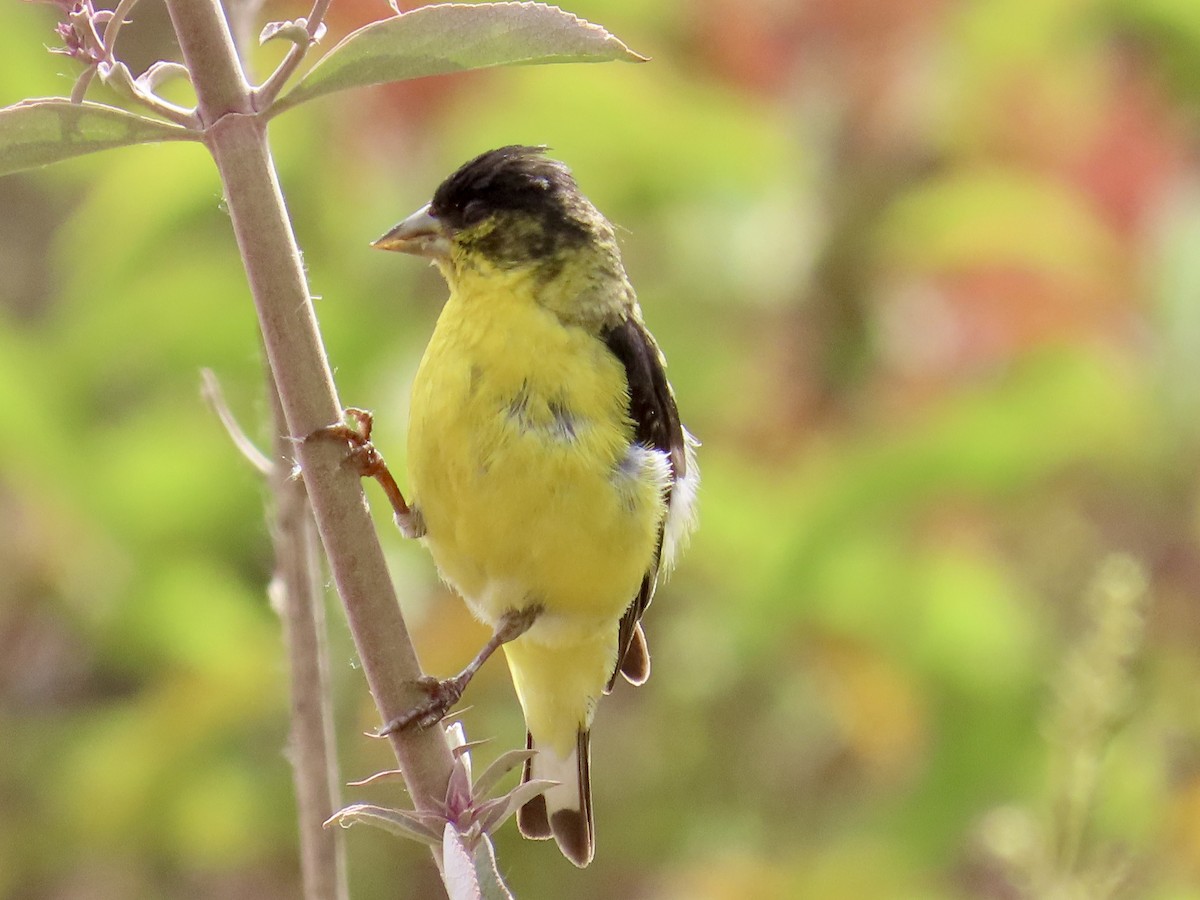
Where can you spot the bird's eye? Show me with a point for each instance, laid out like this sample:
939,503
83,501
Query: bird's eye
474,212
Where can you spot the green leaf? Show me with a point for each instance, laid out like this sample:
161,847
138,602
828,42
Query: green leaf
454,37
295,31
471,874
491,885
462,883
407,823
40,132
494,813
501,766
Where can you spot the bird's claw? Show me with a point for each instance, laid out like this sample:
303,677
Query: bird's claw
355,430
443,695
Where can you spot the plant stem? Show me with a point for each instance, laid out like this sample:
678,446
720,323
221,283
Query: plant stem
124,8
298,596
269,89
301,371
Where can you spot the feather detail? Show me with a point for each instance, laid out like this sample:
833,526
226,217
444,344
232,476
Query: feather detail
656,430
635,664
564,811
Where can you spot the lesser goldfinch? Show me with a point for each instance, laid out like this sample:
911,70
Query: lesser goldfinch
551,478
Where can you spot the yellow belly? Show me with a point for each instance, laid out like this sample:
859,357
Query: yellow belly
517,434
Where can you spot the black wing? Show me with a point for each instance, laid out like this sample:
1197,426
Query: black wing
656,425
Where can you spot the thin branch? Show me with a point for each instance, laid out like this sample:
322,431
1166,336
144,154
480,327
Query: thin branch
298,595
113,28
274,269
316,16
210,390
180,115
86,44
266,93
117,76
82,83
210,56
377,777
296,592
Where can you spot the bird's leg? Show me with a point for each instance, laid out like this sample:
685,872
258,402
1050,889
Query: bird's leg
368,462
443,694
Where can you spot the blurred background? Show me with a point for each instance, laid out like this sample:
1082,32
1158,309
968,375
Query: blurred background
928,277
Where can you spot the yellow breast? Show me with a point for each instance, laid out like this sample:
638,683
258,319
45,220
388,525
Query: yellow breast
521,463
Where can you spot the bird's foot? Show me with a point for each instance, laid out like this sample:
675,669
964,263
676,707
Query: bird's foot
355,430
443,695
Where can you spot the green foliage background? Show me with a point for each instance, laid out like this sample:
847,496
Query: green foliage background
928,277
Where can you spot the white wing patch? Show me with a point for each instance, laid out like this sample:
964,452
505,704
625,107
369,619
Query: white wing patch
683,509
639,467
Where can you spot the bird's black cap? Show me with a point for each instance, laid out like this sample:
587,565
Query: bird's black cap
516,181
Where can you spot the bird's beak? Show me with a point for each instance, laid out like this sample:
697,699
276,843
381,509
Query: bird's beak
421,234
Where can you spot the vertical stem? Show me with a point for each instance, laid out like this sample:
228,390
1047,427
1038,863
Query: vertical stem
298,595
301,371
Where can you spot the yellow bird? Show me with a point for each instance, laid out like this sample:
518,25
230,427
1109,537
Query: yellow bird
551,479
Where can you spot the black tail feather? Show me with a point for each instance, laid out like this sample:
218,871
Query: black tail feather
572,826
